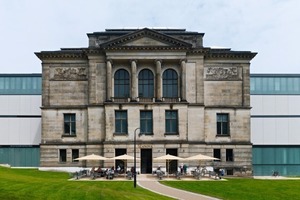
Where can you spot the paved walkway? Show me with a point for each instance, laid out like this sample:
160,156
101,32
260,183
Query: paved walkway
153,185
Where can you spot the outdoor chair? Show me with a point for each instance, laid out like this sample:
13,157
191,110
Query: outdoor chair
110,174
129,175
197,173
160,174
81,174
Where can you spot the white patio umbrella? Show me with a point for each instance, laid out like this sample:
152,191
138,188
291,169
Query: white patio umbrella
92,157
168,158
201,157
124,158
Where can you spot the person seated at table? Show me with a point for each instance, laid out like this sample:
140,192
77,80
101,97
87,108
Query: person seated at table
110,173
98,170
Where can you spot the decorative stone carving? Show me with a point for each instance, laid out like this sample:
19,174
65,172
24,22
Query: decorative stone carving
69,73
222,73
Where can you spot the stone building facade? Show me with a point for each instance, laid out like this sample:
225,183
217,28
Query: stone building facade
177,96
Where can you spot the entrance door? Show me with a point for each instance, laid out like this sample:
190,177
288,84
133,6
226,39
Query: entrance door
146,161
120,163
173,163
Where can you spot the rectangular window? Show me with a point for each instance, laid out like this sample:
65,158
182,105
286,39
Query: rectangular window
222,124
70,124
146,122
62,155
171,122
75,154
229,155
217,154
121,122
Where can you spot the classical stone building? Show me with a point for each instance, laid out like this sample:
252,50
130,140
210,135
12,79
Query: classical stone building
177,96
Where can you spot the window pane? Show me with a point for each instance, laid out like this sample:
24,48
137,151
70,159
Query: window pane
62,155
146,83
170,83
229,154
121,122
146,122
222,124
70,124
121,83
217,154
171,122
75,154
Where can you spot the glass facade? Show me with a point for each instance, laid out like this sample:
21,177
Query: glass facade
283,159
271,84
20,156
20,84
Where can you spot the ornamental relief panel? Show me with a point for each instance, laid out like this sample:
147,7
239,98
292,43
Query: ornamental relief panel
68,73
223,73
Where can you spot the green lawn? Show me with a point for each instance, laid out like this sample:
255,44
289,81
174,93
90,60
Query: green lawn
244,189
33,184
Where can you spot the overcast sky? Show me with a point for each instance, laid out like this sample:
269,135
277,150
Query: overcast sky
269,27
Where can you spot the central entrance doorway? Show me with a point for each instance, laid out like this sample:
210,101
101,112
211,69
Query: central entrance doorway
146,161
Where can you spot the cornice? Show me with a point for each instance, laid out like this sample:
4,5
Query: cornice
92,51
199,51
146,48
222,53
60,55
230,55
228,107
79,107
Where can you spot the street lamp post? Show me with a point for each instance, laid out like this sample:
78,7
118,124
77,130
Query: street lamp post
134,162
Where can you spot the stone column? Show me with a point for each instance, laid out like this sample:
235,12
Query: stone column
108,80
183,80
158,81
134,78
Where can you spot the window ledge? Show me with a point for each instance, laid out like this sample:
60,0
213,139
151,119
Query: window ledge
222,135
120,134
175,134
65,135
146,134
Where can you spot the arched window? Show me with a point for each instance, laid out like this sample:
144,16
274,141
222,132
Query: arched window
146,83
121,83
170,84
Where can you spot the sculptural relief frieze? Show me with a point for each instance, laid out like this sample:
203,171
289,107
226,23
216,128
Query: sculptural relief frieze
222,73
69,73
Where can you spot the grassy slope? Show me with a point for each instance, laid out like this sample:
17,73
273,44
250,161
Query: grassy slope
244,189
33,184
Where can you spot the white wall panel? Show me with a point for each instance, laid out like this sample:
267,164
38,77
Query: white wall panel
275,131
20,131
275,105
20,104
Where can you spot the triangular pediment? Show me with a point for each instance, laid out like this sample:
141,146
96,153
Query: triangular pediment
145,38
145,41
